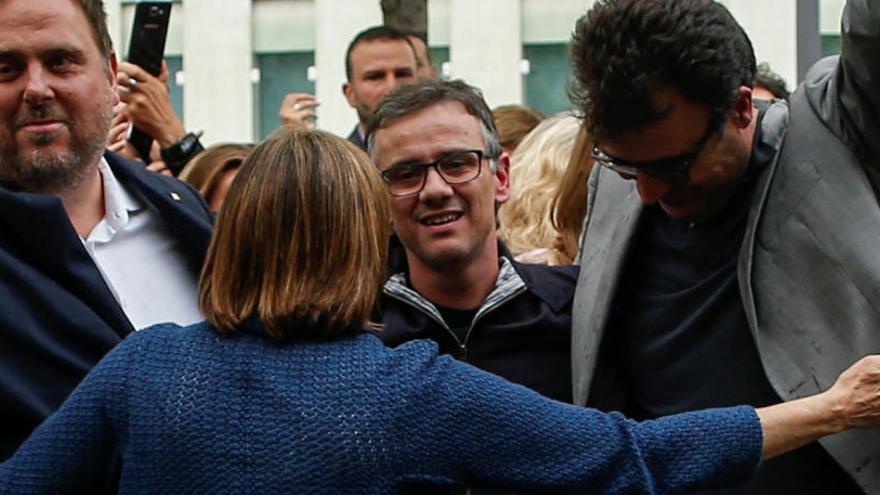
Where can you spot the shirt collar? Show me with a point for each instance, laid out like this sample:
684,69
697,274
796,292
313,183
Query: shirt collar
119,205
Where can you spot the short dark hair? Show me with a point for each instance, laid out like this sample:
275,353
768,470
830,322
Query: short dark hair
766,78
410,98
94,12
374,33
623,51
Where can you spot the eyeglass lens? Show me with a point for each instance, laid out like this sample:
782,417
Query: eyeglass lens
454,168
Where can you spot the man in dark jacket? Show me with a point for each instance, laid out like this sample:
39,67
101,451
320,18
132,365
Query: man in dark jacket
92,246
439,153
378,60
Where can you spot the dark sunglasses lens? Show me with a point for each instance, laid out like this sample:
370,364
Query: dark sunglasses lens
671,170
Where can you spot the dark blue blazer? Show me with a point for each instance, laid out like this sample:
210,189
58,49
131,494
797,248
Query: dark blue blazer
57,316
355,137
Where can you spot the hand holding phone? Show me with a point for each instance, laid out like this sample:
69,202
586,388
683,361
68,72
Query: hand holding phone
148,35
149,108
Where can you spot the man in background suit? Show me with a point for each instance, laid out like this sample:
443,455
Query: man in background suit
378,60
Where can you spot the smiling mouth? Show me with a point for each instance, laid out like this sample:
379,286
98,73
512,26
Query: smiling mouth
440,219
42,126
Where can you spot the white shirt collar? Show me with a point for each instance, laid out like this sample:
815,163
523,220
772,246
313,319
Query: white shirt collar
117,204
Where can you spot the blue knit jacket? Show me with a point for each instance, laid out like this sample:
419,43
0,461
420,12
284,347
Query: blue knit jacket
185,410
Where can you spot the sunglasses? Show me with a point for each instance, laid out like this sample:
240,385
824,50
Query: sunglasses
674,169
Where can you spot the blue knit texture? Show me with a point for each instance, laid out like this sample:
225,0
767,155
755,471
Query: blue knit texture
190,411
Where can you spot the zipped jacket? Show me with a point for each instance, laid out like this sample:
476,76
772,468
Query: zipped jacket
521,332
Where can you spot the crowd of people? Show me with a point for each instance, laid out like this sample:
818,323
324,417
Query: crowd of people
669,289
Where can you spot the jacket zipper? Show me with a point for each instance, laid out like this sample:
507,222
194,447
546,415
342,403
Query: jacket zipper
479,316
462,346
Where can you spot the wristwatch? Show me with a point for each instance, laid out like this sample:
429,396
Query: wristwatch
180,153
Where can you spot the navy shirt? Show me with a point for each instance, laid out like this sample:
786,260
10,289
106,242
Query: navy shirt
459,320
681,337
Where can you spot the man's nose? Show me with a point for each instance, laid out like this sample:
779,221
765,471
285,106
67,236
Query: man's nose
37,87
651,189
435,187
392,81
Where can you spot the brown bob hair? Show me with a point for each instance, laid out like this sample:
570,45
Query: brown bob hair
514,122
207,168
300,241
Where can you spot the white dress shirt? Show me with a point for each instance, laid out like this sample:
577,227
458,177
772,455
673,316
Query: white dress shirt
146,268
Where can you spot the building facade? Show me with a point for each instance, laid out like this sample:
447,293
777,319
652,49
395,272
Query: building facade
232,61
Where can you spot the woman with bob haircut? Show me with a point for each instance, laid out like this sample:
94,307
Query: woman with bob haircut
283,390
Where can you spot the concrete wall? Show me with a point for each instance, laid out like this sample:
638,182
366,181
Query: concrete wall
829,16
772,27
485,48
337,22
217,61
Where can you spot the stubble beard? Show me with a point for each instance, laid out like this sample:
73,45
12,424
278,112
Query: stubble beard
46,171
364,114
448,258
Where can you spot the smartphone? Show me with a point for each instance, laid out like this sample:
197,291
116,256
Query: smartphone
148,35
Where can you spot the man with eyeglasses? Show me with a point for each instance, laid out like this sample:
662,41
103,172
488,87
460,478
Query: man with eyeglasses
730,255
436,146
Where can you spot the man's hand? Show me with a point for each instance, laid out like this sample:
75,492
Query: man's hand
160,167
116,141
852,402
855,396
148,104
298,111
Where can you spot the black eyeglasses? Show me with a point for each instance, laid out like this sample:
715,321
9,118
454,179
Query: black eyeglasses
675,169
458,167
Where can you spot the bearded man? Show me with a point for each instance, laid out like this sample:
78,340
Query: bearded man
92,246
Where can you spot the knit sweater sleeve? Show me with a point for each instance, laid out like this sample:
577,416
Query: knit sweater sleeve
73,450
473,427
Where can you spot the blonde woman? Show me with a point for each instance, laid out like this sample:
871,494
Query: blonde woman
569,206
282,390
536,171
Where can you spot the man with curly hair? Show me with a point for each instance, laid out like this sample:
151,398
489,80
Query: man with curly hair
729,255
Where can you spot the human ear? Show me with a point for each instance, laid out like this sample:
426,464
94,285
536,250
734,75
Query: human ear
743,111
502,176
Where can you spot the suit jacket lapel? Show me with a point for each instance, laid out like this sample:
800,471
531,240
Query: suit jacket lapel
39,225
774,127
177,203
613,217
